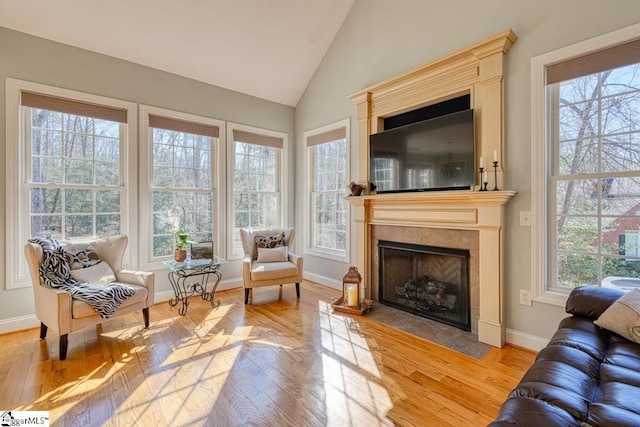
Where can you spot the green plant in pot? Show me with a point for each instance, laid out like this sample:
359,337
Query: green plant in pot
182,240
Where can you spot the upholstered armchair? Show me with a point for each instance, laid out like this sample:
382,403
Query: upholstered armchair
57,310
268,259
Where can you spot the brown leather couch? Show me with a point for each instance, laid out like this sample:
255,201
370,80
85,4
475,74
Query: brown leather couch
585,376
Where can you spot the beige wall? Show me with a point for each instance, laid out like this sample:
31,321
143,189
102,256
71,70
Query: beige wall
34,59
380,39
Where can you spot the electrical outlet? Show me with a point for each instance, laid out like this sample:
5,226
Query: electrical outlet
525,218
525,297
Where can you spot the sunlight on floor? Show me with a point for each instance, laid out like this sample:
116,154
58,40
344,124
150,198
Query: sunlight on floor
349,369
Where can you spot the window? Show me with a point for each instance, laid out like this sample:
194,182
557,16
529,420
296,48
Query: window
328,159
66,167
587,150
256,198
183,174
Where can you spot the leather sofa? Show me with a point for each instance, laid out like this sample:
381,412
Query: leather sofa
585,376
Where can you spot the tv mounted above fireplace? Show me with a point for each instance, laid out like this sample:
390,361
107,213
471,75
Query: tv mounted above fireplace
429,155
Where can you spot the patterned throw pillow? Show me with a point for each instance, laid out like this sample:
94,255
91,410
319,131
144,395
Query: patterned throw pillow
274,241
85,258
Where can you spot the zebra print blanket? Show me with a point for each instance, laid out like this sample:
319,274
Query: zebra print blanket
55,272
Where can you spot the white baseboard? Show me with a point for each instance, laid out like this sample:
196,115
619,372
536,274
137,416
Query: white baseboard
323,280
18,323
527,341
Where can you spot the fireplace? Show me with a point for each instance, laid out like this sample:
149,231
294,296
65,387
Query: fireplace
429,281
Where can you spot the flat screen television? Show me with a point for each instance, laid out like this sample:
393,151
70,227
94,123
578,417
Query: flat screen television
433,154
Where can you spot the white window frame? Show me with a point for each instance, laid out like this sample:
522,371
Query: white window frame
17,215
540,152
218,183
309,249
281,178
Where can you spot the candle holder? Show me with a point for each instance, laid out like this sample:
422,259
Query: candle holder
483,185
495,173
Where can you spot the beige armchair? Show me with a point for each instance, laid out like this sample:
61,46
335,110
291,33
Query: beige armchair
56,310
273,265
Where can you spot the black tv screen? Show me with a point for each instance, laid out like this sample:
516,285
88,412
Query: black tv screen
434,154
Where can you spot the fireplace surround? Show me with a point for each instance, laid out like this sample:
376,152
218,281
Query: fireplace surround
477,70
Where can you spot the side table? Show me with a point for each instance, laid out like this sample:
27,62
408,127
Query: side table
179,272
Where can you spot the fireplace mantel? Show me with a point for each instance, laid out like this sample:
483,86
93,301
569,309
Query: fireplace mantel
481,211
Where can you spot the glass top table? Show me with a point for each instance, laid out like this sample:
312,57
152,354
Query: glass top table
192,277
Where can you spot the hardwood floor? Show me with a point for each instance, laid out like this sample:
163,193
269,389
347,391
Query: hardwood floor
278,362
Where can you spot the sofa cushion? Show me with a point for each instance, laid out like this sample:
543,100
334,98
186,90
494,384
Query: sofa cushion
84,258
272,270
623,316
273,241
279,254
99,274
82,309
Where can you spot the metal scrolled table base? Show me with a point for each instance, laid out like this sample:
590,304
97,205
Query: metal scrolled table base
184,290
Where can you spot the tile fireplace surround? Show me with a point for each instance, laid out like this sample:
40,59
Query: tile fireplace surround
457,219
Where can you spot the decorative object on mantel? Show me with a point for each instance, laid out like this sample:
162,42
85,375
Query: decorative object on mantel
350,300
484,181
356,189
495,169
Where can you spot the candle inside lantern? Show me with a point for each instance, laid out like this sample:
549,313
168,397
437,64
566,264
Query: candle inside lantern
352,296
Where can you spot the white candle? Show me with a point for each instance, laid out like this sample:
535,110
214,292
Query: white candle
495,155
484,177
352,296
481,162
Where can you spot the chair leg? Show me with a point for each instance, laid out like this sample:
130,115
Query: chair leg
43,330
246,295
298,290
64,342
145,316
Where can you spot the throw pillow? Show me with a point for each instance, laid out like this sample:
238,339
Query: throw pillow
83,259
274,241
279,254
623,316
98,274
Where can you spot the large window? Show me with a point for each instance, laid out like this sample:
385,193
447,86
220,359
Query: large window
591,164
71,183
256,197
183,174
327,219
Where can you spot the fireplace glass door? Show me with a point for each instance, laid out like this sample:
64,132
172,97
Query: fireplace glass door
429,281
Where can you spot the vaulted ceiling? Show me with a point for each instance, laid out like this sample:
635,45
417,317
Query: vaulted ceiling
266,48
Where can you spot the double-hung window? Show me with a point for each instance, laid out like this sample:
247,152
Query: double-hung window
182,153
327,219
66,174
256,176
587,172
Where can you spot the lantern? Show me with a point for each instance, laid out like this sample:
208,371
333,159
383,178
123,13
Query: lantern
351,288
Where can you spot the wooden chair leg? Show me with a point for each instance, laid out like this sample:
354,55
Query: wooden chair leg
64,342
43,330
246,295
145,316
298,290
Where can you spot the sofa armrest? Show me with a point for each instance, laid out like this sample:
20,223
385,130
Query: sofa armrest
146,279
53,308
296,259
591,301
246,271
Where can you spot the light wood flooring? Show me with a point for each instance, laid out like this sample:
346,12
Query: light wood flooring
275,362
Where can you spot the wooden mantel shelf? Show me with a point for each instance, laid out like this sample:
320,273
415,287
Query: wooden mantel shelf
437,197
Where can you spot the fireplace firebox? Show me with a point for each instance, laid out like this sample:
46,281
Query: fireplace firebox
429,281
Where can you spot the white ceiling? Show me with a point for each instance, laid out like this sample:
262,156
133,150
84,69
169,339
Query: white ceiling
265,48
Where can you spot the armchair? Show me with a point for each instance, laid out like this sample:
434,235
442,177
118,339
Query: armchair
268,261
57,310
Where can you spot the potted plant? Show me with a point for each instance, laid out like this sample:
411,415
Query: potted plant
182,240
